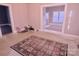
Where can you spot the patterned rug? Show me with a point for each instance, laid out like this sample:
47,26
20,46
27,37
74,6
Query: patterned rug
37,46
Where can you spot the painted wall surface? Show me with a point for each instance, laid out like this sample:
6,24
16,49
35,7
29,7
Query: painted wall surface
30,14
72,19
19,13
26,14
34,13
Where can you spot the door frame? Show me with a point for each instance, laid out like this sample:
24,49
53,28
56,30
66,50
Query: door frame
11,18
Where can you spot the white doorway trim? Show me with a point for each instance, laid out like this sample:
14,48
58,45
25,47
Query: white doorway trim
11,18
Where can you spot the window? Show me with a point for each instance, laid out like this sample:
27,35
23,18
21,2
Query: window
46,18
58,16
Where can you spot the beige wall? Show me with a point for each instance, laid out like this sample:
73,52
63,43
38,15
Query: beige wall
19,13
74,19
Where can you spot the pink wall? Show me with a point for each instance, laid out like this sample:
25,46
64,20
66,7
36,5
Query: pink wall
20,17
74,20
34,13
30,14
27,14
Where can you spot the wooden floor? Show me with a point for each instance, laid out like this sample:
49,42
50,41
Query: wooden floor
12,39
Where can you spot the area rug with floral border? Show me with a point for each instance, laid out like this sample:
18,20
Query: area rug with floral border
38,46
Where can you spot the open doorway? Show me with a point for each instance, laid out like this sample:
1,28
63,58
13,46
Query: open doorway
5,23
53,17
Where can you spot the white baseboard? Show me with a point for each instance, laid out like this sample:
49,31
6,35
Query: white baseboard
14,32
70,36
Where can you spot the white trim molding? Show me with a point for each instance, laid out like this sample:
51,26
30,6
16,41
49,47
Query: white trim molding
69,36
